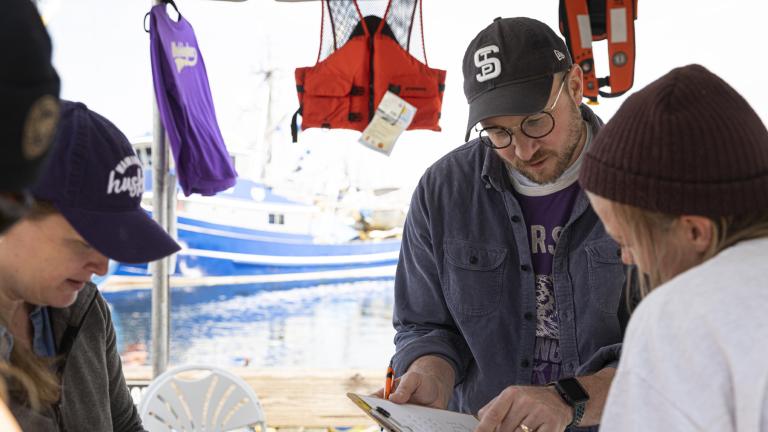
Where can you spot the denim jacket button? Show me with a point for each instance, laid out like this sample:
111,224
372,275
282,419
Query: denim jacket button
528,316
515,218
525,363
525,267
473,259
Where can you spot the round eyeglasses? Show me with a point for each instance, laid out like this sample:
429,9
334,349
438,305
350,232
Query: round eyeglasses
533,126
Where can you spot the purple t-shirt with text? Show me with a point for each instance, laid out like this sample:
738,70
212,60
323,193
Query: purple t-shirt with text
186,106
545,216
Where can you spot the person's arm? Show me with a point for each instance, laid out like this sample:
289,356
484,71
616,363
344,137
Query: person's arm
639,405
542,409
422,320
429,382
125,417
605,357
597,386
7,421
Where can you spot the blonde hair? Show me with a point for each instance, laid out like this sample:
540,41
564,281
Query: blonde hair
28,378
40,209
645,227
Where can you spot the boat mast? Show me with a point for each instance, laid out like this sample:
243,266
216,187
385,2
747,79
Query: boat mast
269,127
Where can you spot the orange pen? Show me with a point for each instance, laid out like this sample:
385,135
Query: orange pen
389,381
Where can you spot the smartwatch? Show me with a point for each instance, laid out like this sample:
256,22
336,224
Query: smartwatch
574,395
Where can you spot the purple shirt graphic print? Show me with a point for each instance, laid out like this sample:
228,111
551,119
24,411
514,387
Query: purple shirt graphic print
186,107
545,216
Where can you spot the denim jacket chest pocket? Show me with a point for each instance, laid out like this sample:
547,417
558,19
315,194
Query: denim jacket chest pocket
607,275
473,276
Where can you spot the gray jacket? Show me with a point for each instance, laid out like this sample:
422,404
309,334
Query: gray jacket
94,396
465,288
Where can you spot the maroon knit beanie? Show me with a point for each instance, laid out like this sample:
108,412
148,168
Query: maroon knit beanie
687,143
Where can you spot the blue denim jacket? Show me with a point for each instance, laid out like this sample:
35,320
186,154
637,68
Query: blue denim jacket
465,287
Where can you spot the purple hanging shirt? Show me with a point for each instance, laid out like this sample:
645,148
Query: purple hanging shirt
186,108
545,216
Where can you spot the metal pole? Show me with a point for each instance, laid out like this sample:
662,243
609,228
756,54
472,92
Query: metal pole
160,279
171,202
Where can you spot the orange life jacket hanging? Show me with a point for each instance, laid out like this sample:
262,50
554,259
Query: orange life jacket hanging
364,57
584,21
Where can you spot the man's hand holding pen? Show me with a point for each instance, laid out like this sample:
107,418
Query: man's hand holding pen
389,381
428,382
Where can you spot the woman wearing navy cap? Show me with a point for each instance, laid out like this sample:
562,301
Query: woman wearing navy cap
87,210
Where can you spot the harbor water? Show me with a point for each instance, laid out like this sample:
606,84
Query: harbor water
337,326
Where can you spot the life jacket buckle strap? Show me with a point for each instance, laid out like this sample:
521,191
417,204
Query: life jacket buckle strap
357,91
355,117
295,125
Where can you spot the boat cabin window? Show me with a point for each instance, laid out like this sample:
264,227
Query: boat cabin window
277,218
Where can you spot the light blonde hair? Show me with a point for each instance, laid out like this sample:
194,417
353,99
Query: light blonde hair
29,378
646,227
41,209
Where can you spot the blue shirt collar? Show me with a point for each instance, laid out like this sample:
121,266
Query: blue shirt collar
42,335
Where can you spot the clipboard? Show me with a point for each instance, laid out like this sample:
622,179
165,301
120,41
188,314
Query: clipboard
412,418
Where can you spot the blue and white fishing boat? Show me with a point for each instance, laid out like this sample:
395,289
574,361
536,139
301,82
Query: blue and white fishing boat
251,235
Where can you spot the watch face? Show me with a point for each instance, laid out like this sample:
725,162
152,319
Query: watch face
574,390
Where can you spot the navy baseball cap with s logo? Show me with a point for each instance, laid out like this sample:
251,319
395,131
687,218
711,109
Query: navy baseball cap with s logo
509,68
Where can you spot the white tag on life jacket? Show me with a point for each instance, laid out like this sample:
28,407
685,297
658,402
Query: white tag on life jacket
392,117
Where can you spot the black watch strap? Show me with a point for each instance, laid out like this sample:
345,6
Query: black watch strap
578,414
574,395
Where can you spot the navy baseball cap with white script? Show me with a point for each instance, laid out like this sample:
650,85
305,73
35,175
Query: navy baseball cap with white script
509,68
95,179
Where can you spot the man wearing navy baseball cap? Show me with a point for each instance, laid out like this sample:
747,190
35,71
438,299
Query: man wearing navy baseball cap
507,282
86,209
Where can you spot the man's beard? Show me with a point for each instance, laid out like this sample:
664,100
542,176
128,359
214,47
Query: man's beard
563,160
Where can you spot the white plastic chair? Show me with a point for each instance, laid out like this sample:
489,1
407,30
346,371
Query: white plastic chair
217,401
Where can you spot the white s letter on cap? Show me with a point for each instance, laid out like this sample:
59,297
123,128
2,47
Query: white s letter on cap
490,67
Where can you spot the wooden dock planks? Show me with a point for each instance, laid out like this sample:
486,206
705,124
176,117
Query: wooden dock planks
300,399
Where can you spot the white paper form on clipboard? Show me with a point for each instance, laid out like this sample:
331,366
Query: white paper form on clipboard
413,418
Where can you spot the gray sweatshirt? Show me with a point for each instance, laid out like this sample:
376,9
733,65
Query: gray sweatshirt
94,394
694,352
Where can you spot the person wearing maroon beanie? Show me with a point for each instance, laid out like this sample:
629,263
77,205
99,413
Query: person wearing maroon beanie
679,177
